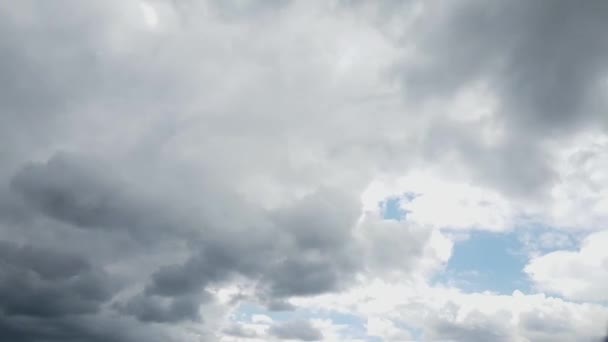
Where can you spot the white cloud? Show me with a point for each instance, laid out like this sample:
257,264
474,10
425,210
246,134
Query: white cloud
578,275
149,14
437,201
386,330
579,200
449,314
452,204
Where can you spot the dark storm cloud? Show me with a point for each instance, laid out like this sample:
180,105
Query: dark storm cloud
152,308
45,283
296,330
46,295
75,329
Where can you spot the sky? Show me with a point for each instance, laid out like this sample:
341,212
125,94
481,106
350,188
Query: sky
282,170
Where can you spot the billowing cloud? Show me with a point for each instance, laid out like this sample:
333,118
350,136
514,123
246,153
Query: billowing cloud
438,313
167,165
45,283
578,275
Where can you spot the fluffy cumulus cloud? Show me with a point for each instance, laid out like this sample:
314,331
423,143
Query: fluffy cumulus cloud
577,274
204,170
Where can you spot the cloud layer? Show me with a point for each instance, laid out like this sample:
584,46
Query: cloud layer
169,165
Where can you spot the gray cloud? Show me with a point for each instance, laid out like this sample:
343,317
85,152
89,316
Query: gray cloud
539,328
283,257
233,141
240,331
48,295
475,327
73,329
545,61
544,64
74,192
45,283
296,330
304,249
159,309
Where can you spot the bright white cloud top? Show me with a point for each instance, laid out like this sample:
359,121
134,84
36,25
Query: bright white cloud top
349,170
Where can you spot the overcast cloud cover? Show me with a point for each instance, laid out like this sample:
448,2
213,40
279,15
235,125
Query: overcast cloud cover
341,170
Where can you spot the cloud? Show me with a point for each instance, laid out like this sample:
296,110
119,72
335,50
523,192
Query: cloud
578,275
476,327
545,76
28,329
296,330
159,154
387,330
50,295
240,331
163,310
67,189
540,67
45,283
437,313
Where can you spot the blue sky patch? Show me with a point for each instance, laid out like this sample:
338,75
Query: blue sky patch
391,206
487,261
